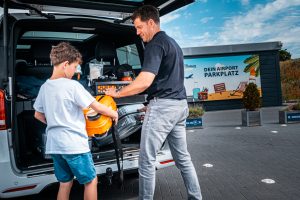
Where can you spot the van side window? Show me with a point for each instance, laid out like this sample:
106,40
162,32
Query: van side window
129,55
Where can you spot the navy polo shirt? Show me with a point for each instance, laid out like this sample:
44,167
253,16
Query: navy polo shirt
164,58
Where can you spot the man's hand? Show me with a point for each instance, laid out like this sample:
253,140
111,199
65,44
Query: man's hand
112,92
142,117
140,84
144,109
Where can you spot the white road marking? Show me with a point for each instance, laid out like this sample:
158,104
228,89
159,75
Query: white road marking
207,165
268,181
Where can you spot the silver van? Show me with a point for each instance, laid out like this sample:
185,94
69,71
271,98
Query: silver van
103,33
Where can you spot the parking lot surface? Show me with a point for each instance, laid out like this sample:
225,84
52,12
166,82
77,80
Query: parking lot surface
232,162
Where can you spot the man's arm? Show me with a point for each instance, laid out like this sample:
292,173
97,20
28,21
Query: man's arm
140,84
40,116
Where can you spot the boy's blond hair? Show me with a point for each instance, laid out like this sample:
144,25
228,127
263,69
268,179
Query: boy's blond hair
64,52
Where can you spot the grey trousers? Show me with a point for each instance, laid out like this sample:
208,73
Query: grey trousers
165,120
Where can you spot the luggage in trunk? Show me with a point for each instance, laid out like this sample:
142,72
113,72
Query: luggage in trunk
129,123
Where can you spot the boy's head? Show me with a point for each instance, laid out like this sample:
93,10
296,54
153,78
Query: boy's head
64,52
65,58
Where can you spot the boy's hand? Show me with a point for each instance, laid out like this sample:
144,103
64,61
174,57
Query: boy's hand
40,116
104,110
115,117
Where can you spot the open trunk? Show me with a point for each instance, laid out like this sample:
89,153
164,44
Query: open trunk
116,45
30,144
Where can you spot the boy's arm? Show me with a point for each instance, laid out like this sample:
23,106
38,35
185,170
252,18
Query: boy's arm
40,116
104,110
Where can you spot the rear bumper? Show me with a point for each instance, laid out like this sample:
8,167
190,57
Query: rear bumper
14,183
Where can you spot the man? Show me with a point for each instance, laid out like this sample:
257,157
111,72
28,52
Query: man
162,74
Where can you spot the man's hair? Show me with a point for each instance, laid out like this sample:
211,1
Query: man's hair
64,52
146,13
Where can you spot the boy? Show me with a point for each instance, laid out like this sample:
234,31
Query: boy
59,105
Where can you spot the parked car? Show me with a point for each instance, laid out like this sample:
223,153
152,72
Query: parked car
103,33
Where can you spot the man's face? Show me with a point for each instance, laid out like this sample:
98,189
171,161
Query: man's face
144,29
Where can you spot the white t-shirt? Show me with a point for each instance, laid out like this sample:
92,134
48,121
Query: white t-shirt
62,100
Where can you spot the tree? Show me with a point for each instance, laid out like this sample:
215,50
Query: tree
284,55
251,99
252,64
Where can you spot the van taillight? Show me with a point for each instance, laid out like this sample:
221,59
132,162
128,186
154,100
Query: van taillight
166,162
30,187
2,110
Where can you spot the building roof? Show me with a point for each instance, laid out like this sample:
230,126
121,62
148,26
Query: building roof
234,48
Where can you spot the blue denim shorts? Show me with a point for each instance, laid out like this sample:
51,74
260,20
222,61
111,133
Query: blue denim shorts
66,166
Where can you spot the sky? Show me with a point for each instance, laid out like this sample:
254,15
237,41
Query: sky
223,22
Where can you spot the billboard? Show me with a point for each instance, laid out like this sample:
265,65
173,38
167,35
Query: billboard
220,78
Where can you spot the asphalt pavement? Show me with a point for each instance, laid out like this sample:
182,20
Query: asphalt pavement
232,162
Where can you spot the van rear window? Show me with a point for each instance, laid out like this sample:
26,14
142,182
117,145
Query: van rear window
129,55
20,46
